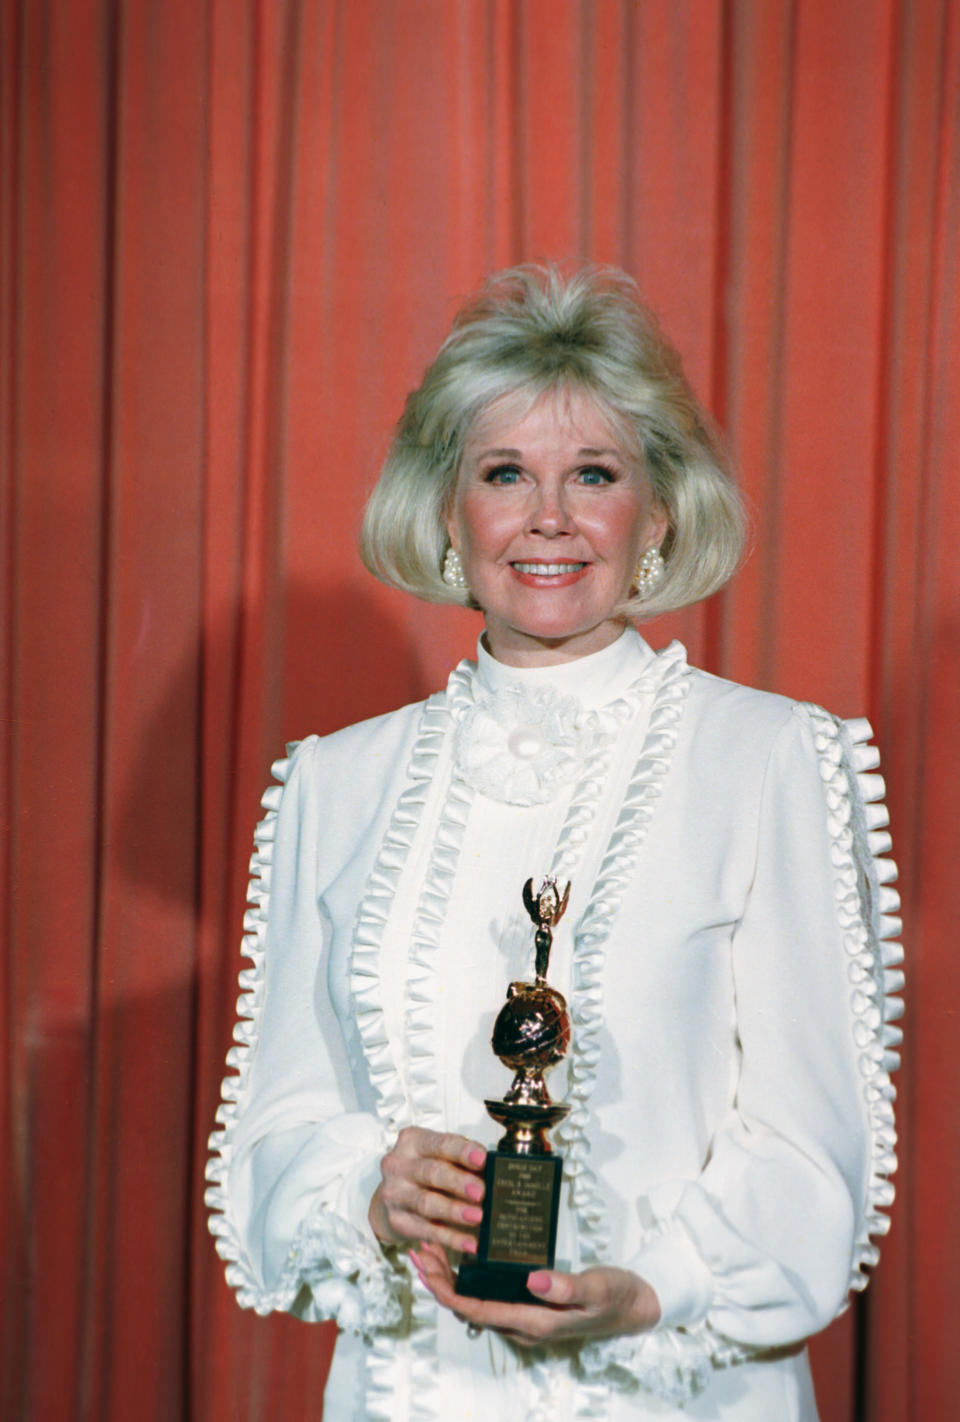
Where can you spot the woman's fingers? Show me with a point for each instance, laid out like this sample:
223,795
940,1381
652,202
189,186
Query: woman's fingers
414,1228
524,1324
414,1190
414,1213
438,1160
592,1304
417,1141
430,1189
517,1321
393,1224
434,1266
434,1174
555,1288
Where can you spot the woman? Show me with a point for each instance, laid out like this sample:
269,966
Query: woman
725,951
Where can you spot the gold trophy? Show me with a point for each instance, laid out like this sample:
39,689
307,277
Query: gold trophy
518,1232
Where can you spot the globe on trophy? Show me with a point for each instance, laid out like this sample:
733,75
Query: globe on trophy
521,1202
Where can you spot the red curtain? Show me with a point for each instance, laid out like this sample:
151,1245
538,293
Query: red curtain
234,231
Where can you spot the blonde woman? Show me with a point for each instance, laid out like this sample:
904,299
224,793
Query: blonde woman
726,950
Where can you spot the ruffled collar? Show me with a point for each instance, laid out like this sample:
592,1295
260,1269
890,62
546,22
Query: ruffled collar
522,733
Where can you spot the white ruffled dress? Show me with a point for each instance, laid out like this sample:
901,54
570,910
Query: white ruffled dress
728,955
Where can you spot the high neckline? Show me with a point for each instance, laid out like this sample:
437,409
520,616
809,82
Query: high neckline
594,679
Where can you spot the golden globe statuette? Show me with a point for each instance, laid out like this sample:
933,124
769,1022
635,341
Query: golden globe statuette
518,1232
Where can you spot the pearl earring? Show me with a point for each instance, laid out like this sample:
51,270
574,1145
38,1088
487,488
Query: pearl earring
650,571
453,574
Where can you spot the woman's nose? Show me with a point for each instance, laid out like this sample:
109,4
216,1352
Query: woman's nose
550,516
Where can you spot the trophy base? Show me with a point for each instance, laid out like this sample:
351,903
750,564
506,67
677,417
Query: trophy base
506,1283
518,1233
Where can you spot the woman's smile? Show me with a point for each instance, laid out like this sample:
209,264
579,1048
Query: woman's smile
536,574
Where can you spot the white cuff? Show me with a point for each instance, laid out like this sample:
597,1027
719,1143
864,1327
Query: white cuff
350,1279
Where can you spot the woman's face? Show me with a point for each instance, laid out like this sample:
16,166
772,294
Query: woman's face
550,515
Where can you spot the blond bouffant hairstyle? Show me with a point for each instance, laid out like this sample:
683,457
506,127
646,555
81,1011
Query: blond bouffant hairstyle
530,330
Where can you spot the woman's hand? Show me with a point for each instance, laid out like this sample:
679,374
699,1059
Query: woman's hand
595,1304
429,1191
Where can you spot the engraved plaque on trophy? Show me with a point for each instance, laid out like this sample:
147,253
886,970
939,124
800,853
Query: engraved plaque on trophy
522,1176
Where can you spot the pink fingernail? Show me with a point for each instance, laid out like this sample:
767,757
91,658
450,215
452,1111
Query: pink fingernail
474,1189
471,1215
539,1283
477,1157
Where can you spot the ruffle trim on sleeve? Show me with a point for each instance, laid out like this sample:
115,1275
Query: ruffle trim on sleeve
867,910
350,1279
617,869
675,1364
246,1033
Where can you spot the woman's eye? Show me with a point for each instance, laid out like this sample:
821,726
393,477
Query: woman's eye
596,474
502,474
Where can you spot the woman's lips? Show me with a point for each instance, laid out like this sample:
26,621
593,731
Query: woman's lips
535,574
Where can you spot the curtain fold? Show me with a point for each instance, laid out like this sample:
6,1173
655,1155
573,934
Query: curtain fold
233,234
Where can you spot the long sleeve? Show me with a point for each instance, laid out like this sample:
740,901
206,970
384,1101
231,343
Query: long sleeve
761,1249
294,1161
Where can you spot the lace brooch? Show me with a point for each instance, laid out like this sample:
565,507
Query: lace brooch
520,744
